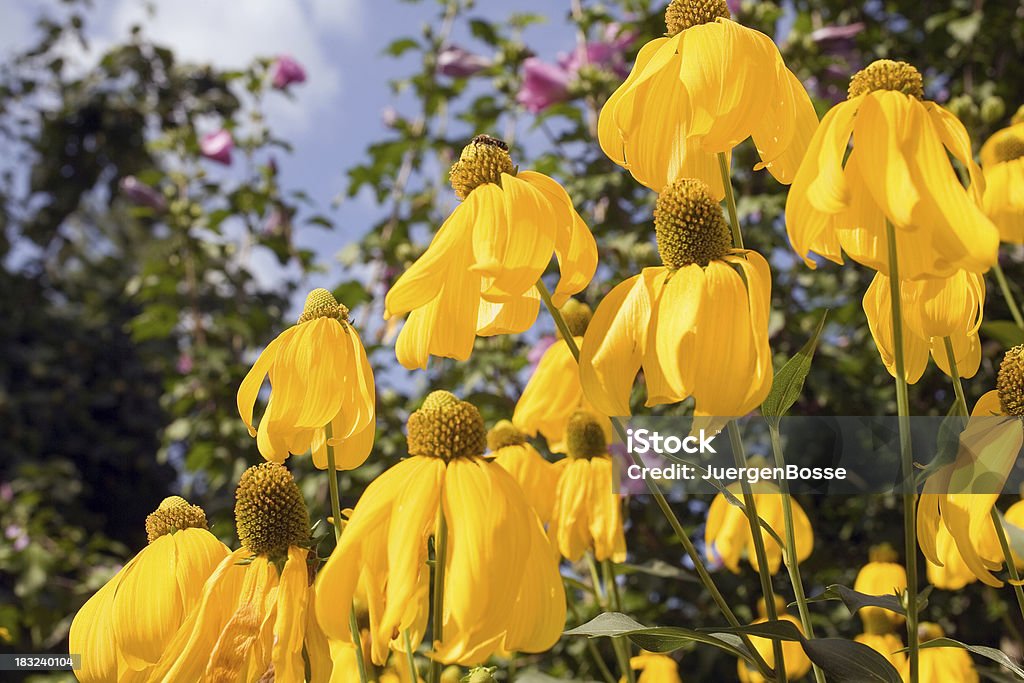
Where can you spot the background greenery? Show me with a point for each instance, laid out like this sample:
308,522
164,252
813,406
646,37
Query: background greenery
126,329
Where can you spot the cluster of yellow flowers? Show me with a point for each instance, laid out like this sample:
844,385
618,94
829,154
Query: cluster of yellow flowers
466,547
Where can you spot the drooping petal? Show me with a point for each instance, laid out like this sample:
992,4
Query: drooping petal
886,125
538,617
605,511
878,309
511,317
90,636
250,386
536,476
290,622
570,525
552,394
236,650
784,133
575,247
512,237
1004,199
609,135
673,330
425,278
614,343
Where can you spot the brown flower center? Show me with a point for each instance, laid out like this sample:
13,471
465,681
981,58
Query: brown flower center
584,436
886,74
1010,382
270,513
1008,148
683,14
174,514
577,317
483,160
445,427
689,225
320,303
503,434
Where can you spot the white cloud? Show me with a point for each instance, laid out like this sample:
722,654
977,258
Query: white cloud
230,34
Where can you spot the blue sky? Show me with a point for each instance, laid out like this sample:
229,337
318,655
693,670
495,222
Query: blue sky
337,112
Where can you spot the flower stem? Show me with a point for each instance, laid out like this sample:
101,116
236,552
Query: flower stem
1011,565
612,591
958,387
792,563
730,201
750,508
410,658
604,597
606,674
332,486
440,555
906,453
659,498
1008,295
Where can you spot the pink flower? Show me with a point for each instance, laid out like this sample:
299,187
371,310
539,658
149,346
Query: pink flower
286,71
141,194
217,146
543,85
608,53
458,63
184,364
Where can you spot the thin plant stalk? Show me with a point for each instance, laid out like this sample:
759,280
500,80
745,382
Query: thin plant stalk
906,455
1004,286
332,487
659,498
603,599
1011,565
410,656
792,564
612,591
606,673
730,201
440,554
750,508
958,387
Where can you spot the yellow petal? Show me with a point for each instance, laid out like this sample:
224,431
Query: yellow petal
673,333
511,317
614,343
90,636
570,525
513,238
425,278
237,649
250,386
878,309
551,395
1004,199
290,622
536,476
887,126
784,133
605,508
608,133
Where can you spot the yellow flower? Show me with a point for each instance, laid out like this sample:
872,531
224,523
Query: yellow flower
882,575
946,664
898,171
319,377
253,611
477,277
588,511
888,645
535,475
797,663
704,89
961,495
698,326
932,310
554,391
654,668
1002,157
728,531
124,628
502,586
346,664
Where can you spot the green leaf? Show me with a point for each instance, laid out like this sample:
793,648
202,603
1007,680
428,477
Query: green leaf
658,568
995,655
659,638
847,661
400,46
1005,332
776,630
854,600
789,380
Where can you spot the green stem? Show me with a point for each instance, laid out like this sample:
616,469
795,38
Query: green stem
606,673
906,454
958,387
612,591
750,508
792,563
730,201
410,657
659,498
513,664
440,555
1008,295
332,486
603,595
1011,565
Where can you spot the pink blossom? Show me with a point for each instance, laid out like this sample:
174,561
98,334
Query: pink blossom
543,85
456,62
137,192
608,53
286,71
217,146
184,364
